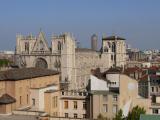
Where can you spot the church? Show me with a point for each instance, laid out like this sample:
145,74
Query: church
75,64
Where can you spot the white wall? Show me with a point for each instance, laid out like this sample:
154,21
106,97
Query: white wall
146,64
113,78
98,84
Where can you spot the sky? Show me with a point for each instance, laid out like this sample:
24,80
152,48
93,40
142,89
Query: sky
136,20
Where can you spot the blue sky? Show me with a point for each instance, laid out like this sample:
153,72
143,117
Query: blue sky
136,20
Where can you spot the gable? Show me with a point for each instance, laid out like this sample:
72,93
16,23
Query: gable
41,44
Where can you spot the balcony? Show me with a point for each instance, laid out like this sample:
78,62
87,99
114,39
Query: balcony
74,94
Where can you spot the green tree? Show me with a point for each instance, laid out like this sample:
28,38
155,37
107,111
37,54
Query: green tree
135,113
4,62
119,115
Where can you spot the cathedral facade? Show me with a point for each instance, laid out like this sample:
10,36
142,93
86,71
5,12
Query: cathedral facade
74,63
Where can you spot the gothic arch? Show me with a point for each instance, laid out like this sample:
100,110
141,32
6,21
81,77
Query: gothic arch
41,63
105,49
113,47
59,45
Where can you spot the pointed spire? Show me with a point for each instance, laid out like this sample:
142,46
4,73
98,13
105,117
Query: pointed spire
40,30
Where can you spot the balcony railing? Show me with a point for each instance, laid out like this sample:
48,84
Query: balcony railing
73,94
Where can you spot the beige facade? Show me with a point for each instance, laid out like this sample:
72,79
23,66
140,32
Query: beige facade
66,104
109,102
105,103
19,89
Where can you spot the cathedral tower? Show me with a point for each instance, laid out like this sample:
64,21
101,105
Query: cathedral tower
115,47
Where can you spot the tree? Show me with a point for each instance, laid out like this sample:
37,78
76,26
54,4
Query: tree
119,115
135,113
4,62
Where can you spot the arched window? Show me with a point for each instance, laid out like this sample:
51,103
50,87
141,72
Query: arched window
26,46
41,63
105,49
109,44
113,47
59,45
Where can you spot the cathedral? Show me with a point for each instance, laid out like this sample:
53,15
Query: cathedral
74,63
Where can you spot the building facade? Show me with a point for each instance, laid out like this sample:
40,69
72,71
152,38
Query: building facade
74,63
122,94
67,104
15,87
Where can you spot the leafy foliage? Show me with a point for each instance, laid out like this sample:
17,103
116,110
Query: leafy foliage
4,62
135,113
119,115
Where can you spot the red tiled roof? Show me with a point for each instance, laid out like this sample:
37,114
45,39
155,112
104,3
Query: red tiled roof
132,70
145,77
153,68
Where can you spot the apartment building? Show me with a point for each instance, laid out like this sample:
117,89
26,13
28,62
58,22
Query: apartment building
148,84
67,104
122,94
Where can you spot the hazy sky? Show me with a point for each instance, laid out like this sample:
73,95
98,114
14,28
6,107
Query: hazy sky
136,20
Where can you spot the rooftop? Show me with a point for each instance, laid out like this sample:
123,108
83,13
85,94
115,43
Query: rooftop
132,70
84,50
103,92
25,73
113,38
6,99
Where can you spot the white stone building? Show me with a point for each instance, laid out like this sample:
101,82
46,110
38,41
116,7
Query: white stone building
74,63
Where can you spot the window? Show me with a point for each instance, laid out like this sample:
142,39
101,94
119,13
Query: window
20,100
75,115
80,93
33,101
27,99
84,105
54,103
59,45
26,46
155,111
113,47
115,109
115,98
84,116
111,57
66,115
65,104
105,98
152,89
105,49
41,45
156,89
75,104
105,108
